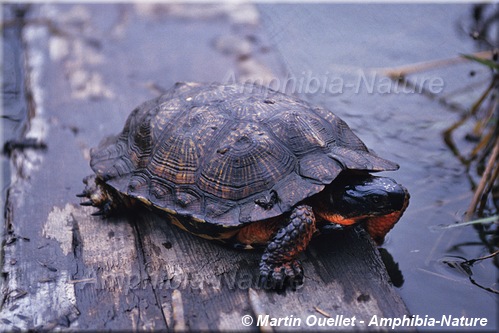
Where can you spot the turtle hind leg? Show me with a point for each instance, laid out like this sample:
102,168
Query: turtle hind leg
279,265
101,196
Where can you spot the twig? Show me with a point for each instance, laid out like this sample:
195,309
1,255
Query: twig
178,312
258,309
484,288
489,219
82,280
322,312
402,71
448,132
472,261
486,177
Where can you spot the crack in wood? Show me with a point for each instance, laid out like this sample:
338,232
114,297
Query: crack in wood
143,268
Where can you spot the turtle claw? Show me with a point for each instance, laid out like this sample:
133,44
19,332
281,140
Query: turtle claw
100,212
278,278
87,203
82,195
105,210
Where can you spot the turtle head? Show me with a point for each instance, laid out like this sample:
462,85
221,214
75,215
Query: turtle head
355,198
371,196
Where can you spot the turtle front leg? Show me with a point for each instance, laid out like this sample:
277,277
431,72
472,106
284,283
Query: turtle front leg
279,265
101,197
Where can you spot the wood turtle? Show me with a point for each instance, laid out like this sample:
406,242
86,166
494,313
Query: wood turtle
247,166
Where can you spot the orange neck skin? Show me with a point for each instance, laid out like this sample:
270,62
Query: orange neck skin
328,217
376,226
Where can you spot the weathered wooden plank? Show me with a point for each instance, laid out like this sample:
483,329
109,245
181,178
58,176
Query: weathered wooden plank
88,66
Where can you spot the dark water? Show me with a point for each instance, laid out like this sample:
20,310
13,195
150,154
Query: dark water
328,42
341,45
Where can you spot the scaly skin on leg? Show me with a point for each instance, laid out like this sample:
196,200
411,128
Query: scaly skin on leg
279,265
